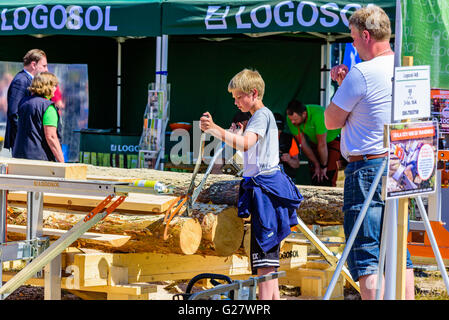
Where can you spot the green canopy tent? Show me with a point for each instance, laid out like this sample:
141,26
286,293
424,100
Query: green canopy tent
112,19
252,16
313,24
307,22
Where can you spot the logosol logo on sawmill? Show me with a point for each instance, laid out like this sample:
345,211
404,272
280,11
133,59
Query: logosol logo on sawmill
46,184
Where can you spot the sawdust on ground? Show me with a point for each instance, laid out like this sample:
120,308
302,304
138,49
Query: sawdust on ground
429,285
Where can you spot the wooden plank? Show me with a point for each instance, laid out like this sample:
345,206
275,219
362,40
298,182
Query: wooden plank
402,228
134,202
128,289
114,240
402,248
93,269
109,178
73,171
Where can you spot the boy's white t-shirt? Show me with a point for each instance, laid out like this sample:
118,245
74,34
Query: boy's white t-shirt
264,155
366,93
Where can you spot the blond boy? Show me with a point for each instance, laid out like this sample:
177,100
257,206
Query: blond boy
263,182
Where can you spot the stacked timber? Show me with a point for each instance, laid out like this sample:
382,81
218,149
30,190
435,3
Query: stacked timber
140,221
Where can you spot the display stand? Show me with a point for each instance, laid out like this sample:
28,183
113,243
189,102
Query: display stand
155,120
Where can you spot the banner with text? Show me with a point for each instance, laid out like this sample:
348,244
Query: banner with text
426,37
250,16
99,18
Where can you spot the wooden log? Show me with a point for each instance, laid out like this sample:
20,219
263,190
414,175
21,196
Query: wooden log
222,229
183,235
321,205
145,231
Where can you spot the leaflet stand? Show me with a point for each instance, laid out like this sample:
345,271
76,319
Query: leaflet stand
156,116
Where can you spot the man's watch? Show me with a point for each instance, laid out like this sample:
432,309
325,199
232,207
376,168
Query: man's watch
323,166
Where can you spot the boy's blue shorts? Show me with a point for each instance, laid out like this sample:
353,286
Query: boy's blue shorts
261,259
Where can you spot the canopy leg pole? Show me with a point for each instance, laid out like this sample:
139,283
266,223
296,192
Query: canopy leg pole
158,62
120,40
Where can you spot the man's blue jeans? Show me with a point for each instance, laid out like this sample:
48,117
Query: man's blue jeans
363,257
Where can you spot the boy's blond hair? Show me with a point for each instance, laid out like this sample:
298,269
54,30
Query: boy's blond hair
247,80
43,83
374,20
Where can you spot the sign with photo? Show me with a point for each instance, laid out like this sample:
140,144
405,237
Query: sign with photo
411,93
412,160
440,108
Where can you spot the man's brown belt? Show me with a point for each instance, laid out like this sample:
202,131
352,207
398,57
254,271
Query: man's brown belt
367,157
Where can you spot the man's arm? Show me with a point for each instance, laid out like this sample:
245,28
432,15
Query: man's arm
311,156
335,117
322,148
17,91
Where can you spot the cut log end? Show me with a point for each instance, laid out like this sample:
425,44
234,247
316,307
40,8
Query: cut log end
228,233
223,231
190,236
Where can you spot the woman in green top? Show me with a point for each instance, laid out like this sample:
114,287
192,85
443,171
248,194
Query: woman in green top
38,136
321,146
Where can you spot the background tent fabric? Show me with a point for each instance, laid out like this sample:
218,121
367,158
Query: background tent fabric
84,17
351,56
249,16
284,42
426,37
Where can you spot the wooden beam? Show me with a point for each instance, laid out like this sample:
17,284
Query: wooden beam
134,202
73,171
128,289
402,248
113,240
402,229
94,269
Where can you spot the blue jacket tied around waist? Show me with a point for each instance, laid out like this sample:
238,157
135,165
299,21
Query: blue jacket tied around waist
272,200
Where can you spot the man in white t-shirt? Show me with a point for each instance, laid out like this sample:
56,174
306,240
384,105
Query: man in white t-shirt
361,107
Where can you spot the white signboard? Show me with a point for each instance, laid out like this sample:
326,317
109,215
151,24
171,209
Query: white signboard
411,93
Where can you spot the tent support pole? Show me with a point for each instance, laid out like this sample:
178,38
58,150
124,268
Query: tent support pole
158,62
120,40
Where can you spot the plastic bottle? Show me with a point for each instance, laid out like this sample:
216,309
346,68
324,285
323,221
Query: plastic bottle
156,185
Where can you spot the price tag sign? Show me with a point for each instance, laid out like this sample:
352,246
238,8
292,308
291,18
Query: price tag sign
411,93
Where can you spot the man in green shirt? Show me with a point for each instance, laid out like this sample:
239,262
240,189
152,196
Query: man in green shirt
321,146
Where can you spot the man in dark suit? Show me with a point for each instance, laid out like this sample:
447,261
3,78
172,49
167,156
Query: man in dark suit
34,61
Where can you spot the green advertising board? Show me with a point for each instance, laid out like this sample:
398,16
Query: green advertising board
426,37
255,16
84,17
109,150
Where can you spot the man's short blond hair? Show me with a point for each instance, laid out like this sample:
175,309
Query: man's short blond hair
247,80
33,55
43,83
374,20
